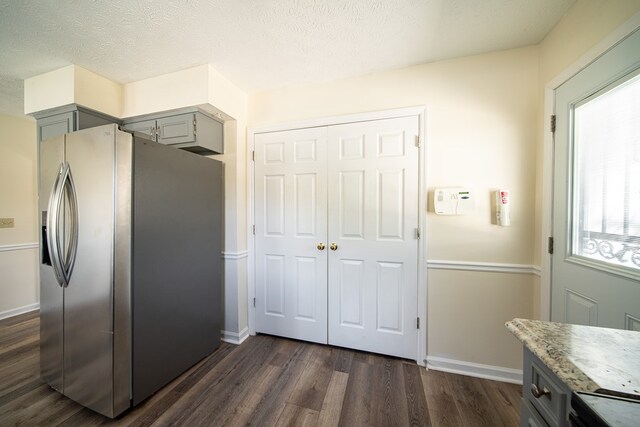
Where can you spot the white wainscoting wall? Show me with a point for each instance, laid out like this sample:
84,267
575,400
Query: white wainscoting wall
468,304
19,279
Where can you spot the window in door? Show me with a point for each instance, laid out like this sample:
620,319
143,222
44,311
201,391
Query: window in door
606,174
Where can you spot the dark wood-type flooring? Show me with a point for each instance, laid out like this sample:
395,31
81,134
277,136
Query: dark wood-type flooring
265,381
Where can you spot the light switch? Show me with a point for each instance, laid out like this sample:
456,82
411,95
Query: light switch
6,223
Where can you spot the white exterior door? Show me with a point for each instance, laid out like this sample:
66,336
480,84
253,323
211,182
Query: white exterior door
291,223
336,217
373,246
596,213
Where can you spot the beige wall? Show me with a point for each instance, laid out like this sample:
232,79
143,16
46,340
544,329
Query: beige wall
584,25
480,133
18,200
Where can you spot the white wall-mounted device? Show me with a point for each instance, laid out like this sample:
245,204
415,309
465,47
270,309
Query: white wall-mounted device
503,217
453,201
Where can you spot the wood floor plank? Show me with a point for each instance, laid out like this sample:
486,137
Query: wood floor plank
243,414
265,381
472,402
158,404
16,373
20,388
440,399
388,402
19,352
17,333
416,401
311,388
356,407
363,357
27,340
19,319
344,358
268,409
286,348
294,415
232,400
332,405
213,391
35,407
502,396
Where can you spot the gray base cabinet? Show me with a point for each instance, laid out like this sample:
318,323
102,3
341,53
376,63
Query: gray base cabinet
529,416
190,129
69,118
546,400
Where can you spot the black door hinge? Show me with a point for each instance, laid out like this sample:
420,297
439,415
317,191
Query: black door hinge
417,323
552,123
550,245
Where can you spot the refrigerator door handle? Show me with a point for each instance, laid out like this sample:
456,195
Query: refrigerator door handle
63,260
70,256
53,241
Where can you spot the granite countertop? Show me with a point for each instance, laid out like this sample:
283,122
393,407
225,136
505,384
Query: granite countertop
585,358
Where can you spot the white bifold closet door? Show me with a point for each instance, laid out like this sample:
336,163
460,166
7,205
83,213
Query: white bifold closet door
336,213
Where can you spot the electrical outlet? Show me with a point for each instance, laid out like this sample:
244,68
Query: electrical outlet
6,223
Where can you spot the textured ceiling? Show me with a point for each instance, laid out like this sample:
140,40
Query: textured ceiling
258,44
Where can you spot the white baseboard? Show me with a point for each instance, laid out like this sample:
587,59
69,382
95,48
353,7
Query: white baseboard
19,310
496,373
235,338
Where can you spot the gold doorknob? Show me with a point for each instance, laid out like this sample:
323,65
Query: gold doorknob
333,247
320,246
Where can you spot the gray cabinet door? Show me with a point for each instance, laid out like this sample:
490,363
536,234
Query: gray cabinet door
146,127
57,125
176,129
189,130
70,118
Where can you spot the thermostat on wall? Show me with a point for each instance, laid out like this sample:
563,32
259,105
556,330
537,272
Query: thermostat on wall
453,201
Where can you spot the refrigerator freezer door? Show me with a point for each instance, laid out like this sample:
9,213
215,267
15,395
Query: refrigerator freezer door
88,315
51,291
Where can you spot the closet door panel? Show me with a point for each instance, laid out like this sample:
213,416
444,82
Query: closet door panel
291,223
373,214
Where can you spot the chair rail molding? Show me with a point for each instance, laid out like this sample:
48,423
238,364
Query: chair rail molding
19,246
492,267
235,255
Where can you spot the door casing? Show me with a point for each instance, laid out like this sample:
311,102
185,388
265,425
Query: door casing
420,112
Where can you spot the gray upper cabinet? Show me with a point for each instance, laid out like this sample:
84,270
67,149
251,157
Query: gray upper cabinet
190,129
146,127
68,118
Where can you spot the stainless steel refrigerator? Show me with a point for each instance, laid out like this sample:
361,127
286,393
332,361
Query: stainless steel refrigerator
131,265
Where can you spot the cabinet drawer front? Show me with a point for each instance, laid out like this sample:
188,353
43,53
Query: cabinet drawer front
552,400
176,129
